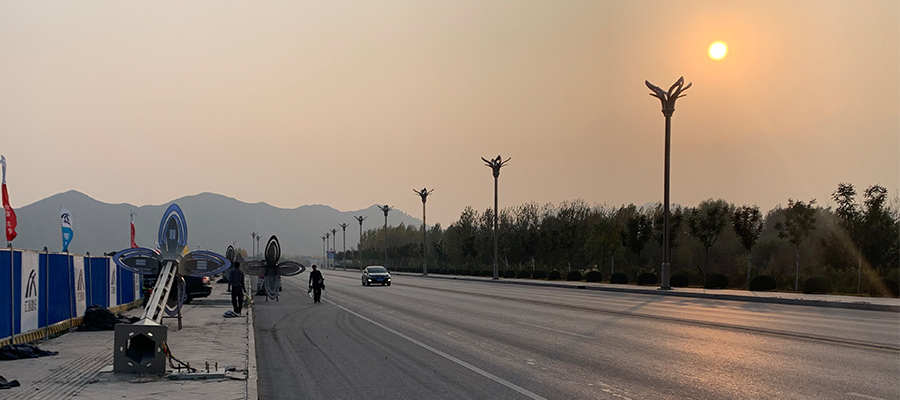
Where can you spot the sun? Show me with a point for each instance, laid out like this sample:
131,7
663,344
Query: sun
717,50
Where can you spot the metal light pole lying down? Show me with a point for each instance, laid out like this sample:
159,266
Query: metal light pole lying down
138,347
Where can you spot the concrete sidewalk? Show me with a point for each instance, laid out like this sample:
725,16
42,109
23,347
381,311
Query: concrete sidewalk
83,367
818,300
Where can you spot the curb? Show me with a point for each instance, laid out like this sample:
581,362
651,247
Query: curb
655,292
252,377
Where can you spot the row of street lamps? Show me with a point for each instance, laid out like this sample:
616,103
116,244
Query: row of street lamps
667,98
494,164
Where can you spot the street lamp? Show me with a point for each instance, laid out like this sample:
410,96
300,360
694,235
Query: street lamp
495,165
344,256
324,252
424,195
327,236
668,108
333,246
386,209
253,244
360,218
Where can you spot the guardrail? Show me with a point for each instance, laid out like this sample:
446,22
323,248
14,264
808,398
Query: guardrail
43,293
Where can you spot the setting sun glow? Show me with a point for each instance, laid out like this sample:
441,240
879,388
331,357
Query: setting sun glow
717,50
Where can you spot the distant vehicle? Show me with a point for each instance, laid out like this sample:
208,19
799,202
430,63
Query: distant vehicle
194,286
376,274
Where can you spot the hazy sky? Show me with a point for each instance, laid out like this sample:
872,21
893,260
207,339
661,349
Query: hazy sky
354,103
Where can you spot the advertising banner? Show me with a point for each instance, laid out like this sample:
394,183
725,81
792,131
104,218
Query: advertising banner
80,292
137,285
29,320
113,283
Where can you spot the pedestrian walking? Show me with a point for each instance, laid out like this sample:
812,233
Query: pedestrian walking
237,288
316,283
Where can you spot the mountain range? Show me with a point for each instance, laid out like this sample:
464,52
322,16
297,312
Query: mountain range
213,223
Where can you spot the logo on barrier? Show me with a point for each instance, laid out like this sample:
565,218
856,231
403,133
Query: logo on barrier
79,286
31,290
31,293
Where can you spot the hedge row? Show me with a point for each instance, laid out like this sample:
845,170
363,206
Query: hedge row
815,284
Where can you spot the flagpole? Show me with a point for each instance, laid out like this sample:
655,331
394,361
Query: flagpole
12,297
46,291
71,290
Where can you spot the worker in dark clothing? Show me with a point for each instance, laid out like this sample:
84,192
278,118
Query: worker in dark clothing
237,288
316,283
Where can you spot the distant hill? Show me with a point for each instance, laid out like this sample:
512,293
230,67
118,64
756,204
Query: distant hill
214,222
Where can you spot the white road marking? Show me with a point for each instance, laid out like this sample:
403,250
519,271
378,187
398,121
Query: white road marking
448,357
864,396
555,330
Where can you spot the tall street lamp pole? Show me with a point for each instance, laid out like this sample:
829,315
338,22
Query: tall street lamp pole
495,165
424,195
333,246
327,236
344,256
324,252
253,244
386,209
360,218
668,108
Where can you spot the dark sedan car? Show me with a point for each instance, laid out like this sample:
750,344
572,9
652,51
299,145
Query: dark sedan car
376,274
195,286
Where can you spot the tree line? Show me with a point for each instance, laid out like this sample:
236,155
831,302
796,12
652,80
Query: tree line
854,245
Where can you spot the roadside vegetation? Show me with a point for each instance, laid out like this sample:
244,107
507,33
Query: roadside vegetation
853,248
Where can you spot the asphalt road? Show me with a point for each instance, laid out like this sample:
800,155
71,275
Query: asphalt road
425,338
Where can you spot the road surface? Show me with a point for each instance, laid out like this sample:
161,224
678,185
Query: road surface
426,338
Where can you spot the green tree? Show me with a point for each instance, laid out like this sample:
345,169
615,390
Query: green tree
705,223
637,232
799,220
748,224
603,238
676,217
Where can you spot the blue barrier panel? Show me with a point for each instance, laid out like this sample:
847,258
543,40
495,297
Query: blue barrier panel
45,293
86,262
17,289
99,281
126,285
6,288
61,298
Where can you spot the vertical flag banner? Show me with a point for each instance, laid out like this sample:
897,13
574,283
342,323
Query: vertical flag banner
113,283
30,292
133,244
10,214
80,287
67,232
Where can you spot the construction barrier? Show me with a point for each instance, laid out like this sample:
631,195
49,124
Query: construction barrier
43,293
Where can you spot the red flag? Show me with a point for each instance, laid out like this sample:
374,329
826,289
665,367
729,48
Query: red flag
10,217
10,214
133,244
